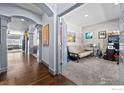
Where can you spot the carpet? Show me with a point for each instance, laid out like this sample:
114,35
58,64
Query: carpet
92,71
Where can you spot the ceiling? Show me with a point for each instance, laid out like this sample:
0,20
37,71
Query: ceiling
92,13
18,26
30,7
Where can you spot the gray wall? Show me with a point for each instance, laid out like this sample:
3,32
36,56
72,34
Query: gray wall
121,25
48,52
45,49
3,45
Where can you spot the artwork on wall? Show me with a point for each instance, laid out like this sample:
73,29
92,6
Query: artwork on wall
26,35
102,34
88,35
71,36
45,35
114,33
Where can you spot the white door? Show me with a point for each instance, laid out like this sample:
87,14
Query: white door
63,45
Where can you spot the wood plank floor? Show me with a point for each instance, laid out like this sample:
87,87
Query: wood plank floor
24,70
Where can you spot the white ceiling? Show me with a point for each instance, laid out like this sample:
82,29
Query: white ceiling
96,12
18,26
31,7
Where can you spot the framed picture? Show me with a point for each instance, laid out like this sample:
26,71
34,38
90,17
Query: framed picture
102,34
88,35
71,36
45,35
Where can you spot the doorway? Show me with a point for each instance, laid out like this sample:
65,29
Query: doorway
22,40
83,71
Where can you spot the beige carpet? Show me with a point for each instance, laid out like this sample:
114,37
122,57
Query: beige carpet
92,71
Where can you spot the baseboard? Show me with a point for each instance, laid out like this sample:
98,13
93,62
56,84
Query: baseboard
52,71
34,55
43,62
3,70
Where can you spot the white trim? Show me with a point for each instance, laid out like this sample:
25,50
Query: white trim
35,55
52,71
3,70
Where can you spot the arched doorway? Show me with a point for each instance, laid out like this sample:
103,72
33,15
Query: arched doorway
14,40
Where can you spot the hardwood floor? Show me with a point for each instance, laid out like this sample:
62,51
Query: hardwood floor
24,70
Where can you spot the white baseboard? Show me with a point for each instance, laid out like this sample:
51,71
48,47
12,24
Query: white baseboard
34,55
3,70
49,69
44,63
52,71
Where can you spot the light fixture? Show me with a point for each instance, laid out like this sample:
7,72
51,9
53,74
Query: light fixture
22,19
85,15
116,3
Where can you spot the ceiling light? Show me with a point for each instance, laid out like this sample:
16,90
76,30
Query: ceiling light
85,15
22,19
116,3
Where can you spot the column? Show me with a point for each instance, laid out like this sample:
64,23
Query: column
30,42
39,50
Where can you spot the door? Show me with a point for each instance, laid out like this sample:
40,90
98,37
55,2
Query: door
63,45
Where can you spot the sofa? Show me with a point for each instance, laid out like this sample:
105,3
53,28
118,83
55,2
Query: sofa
77,52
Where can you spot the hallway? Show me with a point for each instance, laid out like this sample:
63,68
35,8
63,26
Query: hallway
24,70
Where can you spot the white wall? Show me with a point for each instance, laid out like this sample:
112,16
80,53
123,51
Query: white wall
108,26
77,31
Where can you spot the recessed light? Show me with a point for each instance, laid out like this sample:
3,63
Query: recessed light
116,3
85,15
22,19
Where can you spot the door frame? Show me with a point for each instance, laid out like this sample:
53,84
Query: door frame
61,45
58,56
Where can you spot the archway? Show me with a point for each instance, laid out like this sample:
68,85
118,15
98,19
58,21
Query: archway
12,26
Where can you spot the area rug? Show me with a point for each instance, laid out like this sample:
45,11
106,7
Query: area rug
92,71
